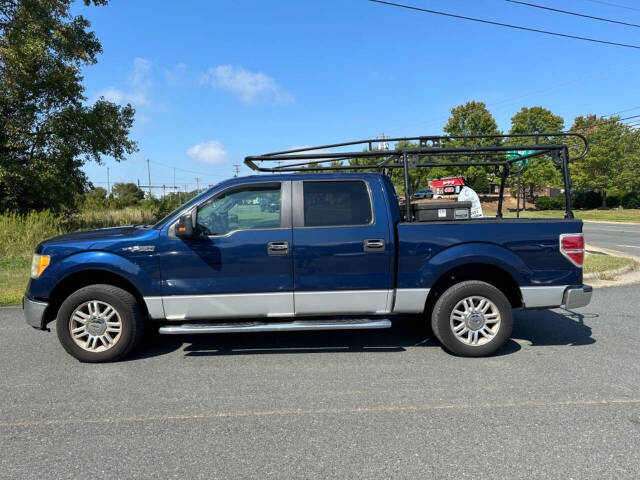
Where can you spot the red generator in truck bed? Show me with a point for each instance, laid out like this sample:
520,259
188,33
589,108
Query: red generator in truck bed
447,186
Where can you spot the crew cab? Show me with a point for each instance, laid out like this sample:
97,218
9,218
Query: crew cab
332,254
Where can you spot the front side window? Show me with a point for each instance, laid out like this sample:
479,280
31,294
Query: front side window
334,204
246,208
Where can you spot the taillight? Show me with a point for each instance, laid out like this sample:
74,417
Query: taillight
572,247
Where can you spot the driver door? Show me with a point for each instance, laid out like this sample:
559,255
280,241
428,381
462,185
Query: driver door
239,263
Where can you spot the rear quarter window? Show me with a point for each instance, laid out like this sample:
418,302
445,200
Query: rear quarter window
334,204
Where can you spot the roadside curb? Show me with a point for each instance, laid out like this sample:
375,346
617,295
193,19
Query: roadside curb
627,275
611,222
612,273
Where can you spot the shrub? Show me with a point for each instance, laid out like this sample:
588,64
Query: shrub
550,203
586,200
613,201
631,200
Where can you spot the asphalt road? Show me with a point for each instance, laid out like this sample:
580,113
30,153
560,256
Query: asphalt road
622,237
561,400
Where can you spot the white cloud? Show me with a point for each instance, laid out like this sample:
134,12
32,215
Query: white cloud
175,75
208,152
138,93
250,87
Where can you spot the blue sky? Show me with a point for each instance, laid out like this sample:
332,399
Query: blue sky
213,81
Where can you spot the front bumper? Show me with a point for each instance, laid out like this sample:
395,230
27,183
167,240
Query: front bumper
576,297
34,311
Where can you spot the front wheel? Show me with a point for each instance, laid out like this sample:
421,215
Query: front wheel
99,323
472,319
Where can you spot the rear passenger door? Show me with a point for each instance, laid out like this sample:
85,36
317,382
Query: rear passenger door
341,248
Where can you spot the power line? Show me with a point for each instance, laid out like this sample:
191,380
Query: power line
601,2
622,111
567,12
187,170
507,25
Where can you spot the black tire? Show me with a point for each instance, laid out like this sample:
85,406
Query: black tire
441,324
127,308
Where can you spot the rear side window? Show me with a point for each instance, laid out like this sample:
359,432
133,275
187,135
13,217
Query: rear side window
334,204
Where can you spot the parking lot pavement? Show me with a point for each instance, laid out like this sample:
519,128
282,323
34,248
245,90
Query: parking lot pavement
560,400
621,237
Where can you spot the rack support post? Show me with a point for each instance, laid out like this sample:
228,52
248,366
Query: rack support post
407,193
564,155
503,180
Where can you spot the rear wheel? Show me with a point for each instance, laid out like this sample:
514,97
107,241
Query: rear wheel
99,323
472,319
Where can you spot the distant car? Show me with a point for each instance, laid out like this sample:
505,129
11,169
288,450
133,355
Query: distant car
424,193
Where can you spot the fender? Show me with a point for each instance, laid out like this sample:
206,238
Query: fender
143,274
473,252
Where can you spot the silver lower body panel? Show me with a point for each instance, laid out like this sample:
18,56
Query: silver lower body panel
297,326
34,311
556,296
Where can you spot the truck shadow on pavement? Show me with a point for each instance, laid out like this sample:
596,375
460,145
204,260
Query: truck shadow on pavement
531,328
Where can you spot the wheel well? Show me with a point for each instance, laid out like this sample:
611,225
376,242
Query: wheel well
83,279
484,272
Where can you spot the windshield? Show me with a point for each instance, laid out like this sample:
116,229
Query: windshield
184,206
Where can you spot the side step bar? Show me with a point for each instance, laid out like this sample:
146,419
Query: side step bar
297,326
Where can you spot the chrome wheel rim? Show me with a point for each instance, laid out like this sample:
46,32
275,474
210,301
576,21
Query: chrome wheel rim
475,320
95,326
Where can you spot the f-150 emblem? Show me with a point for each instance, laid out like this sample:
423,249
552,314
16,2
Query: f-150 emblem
139,248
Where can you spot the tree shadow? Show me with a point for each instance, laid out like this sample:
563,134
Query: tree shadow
538,327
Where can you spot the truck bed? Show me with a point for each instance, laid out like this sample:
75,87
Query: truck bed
526,248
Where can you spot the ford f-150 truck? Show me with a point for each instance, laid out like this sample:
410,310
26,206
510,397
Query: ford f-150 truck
333,251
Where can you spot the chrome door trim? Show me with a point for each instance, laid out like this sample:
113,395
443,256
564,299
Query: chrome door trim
234,305
342,302
287,304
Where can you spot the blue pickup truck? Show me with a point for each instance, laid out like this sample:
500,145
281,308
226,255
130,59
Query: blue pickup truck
332,251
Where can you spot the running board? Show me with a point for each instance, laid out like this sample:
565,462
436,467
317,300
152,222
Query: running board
296,326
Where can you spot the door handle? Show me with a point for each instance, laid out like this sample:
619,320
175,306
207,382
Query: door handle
374,245
278,248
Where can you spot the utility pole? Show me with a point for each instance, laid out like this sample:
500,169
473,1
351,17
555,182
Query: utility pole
149,174
197,184
164,190
108,184
236,168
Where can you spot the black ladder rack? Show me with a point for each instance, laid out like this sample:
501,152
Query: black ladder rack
440,151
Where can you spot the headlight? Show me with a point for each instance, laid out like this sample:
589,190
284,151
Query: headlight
38,264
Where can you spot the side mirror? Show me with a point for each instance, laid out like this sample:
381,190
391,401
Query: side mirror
184,227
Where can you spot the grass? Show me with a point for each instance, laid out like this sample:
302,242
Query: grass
14,276
614,215
603,263
19,236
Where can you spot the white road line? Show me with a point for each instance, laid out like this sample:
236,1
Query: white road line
628,246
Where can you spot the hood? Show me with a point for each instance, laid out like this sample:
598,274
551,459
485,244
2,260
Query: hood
101,233
115,239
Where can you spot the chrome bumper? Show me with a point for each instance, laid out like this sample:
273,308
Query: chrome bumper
34,312
576,297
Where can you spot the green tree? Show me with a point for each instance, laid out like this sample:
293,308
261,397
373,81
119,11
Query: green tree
127,193
612,161
541,172
473,118
47,130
